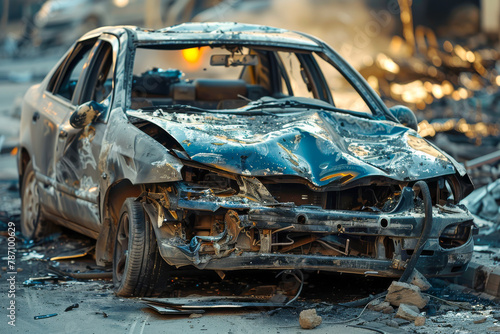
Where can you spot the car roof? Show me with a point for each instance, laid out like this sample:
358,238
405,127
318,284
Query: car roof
218,32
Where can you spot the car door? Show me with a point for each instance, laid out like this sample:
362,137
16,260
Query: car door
51,109
78,150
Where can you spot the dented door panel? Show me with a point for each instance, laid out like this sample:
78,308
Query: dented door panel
76,166
45,150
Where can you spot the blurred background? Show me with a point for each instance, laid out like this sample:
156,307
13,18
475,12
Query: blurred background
440,58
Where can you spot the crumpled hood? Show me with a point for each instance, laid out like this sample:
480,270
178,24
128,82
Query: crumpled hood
320,146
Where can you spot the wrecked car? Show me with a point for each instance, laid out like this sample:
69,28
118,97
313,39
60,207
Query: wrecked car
226,146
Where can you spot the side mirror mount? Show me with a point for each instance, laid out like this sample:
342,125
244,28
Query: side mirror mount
85,114
405,116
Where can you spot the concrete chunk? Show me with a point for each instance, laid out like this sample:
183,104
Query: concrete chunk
492,286
408,312
420,321
380,306
404,293
308,319
471,276
419,280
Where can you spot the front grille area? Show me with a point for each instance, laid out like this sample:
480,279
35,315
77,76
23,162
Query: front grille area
359,198
297,193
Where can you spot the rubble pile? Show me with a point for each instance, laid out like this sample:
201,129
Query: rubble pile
409,300
485,169
485,175
404,293
406,306
453,86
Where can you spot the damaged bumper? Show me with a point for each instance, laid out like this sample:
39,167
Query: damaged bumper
224,234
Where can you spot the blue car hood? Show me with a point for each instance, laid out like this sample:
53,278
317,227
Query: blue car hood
323,147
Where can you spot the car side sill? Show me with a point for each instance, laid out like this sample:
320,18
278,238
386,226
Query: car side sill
71,225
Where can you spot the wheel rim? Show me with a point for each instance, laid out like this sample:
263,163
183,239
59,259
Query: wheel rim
121,248
31,206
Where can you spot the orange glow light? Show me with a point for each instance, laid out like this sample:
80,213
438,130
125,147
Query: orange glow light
192,55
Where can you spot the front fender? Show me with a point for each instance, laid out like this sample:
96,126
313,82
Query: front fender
129,153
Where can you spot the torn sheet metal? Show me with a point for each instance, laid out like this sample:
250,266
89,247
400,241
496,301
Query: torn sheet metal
484,203
172,311
72,254
200,303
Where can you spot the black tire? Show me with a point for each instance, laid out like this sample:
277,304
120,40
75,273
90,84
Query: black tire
138,268
32,225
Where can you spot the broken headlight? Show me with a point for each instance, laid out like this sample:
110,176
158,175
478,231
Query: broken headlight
456,235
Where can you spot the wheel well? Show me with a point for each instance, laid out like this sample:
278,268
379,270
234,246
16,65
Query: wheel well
116,195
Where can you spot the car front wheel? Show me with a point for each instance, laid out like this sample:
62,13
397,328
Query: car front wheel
138,268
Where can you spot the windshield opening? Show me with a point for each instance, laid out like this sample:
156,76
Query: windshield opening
233,77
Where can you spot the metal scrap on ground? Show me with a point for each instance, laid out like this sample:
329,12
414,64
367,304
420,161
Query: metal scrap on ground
190,305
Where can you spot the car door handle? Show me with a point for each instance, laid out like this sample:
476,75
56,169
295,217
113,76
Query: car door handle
36,116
